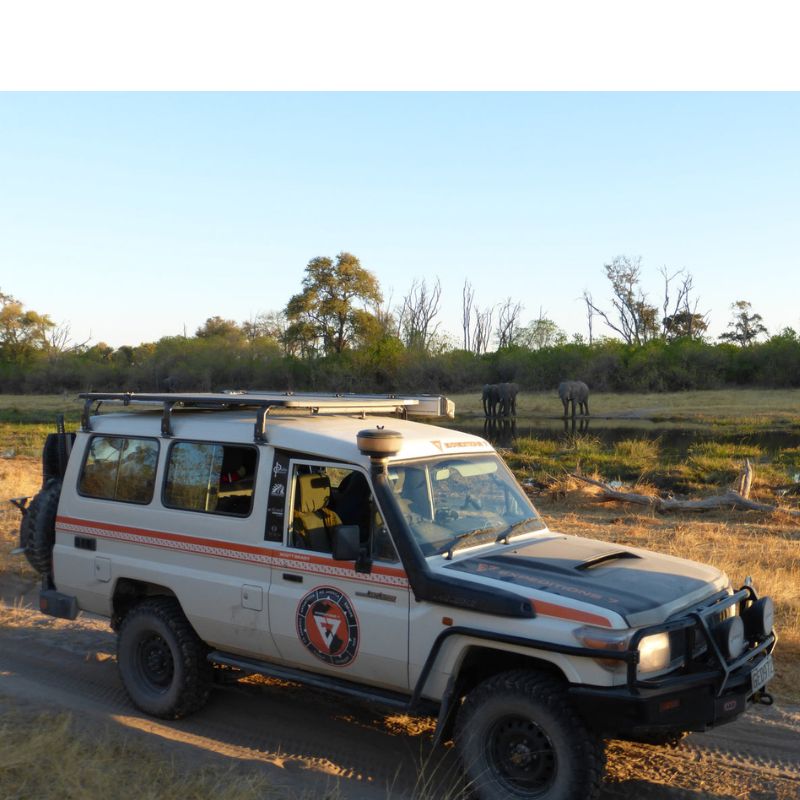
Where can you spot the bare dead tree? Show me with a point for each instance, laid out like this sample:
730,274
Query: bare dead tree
681,317
508,322
417,313
59,340
483,330
587,298
467,300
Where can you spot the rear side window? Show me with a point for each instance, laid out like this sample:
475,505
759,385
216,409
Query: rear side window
209,477
120,468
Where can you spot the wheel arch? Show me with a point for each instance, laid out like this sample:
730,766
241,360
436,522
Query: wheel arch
476,661
129,592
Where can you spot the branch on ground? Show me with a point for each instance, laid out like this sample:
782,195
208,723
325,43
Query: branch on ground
738,498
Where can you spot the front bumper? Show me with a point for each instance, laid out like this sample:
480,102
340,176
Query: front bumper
696,707
706,690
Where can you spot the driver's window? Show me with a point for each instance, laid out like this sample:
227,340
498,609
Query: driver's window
324,496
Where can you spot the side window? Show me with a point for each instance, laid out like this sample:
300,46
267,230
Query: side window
325,496
120,468
209,477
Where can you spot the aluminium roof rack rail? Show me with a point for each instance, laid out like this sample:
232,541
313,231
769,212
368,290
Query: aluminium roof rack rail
264,402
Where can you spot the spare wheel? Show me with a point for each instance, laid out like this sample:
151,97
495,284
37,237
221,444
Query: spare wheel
38,530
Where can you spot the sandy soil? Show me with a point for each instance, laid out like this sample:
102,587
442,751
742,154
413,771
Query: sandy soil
308,741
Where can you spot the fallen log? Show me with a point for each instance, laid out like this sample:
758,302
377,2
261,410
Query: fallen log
733,499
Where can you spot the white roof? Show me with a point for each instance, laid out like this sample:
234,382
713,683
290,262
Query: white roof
328,436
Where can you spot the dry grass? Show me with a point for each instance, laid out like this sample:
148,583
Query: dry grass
19,477
50,757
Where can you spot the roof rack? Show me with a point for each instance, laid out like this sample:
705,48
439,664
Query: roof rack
264,402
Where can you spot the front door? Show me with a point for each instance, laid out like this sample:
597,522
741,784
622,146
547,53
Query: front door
324,615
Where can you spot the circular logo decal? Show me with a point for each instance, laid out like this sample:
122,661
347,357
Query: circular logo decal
327,625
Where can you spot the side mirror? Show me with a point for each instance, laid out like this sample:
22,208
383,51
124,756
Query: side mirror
346,542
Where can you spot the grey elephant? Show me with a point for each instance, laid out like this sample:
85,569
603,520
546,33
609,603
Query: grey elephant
575,392
500,399
489,397
507,398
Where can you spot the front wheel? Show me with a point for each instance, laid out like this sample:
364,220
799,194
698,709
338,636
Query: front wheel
162,661
519,739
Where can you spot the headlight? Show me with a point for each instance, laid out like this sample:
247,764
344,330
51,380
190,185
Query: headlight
654,653
730,637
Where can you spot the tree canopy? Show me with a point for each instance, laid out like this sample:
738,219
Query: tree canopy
22,330
745,327
328,314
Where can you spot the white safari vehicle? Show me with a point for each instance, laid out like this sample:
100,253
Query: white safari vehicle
304,537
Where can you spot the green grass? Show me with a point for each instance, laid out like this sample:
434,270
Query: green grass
43,409
24,439
707,465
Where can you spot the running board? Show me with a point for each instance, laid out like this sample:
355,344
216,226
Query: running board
381,696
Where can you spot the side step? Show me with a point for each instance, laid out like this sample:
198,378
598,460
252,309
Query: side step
370,694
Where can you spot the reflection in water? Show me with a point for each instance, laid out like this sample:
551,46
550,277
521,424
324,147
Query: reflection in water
500,431
570,425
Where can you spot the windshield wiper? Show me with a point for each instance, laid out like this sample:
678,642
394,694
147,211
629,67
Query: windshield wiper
506,534
462,539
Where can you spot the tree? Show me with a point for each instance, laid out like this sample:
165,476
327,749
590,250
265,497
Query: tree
745,327
467,301
680,319
634,319
324,313
540,333
483,330
217,327
417,313
508,323
21,331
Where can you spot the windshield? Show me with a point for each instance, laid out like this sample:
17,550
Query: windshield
461,501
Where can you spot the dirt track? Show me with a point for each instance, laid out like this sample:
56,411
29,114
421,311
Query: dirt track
307,740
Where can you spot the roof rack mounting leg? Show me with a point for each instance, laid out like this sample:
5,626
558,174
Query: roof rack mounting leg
166,420
86,425
260,433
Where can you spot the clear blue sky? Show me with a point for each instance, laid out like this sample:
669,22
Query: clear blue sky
131,216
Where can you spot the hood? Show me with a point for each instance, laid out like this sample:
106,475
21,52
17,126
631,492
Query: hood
644,588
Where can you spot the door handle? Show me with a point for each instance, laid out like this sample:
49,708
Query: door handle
288,576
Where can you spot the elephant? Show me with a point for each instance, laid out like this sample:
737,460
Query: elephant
575,392
500,399
489,397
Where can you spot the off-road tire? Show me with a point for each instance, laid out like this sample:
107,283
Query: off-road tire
518,738
38,527
53,460
162,661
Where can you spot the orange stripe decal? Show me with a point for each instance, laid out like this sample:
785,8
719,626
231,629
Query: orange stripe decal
564,612
219,548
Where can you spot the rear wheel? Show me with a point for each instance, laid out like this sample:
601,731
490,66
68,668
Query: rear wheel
162,661
519,739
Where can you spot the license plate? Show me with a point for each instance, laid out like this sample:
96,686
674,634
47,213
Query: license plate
764,672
